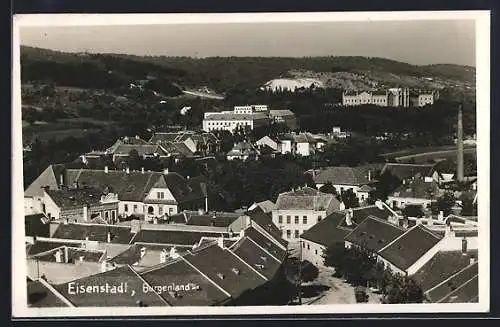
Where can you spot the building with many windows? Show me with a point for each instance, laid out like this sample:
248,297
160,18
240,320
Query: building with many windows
298,210
241,117
393,97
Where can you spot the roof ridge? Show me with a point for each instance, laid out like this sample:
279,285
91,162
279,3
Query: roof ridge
258,245
452,276
397,238
458,288
206,277
385,222
146,282
56,292
427,230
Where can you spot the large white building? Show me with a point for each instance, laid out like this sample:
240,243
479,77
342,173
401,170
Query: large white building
250,116
300,209
393,97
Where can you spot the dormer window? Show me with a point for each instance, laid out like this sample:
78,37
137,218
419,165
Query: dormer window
260,266
236,271
220,275
263,258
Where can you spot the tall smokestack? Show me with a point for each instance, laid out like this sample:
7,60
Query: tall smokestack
460,146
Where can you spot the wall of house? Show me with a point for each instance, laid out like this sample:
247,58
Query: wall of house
286,146
130,205
425,99
269,142
33,205
304,149
190,144
311,220
59,273
313,252
52,210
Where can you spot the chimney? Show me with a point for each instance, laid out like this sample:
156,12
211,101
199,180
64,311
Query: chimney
369,175
66,221
142,170
85,212
441,216
173,253
464,246
106,169
379,204
143,252
348,217
58,256
104,266
137,137
165,171
127,170
61,179
460,146
201,212
449,232
66,254
220,241
472,260
108,239
80,258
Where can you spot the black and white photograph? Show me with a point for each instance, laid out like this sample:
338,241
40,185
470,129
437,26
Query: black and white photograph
253,163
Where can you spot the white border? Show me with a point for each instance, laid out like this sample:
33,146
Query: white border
482,18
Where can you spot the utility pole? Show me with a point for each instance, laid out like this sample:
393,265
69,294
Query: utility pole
460,146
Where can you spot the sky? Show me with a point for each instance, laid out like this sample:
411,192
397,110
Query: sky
414,42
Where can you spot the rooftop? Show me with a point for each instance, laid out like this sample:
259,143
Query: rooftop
418,189
374,234
233,116
405,171
410,247
95,232
256,256
75,197
454,285
173,237
40,296
218,219
265,221
342,176
278,251
306,198
120,287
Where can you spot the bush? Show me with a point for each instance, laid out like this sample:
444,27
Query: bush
361,295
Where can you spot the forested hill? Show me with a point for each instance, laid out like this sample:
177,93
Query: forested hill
219,73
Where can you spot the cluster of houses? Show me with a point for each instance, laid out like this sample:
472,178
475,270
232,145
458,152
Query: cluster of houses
392,97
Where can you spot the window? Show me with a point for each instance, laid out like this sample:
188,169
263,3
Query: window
303,245
296,219
308,247
288,219
160,195
280,219
135,207
315,251
125,207
319,218
106,215
160,210
304,220
288,233
296,234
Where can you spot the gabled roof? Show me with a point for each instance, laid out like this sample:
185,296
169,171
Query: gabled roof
40,296
443,265
98,296
165,137
49,177
75,197
43,246
265,221
278,251
36,225
225,269
405,171
266,206
306,198
142,149
333,228
193,288
95,232
417,189
173,237
409,247
281,113
342,176
71,254
126,140
463,285
256,256
374,234
221,219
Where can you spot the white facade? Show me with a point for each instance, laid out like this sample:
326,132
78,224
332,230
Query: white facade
266,140
313,252
394,97
303,149
397,202
293,223
226,124
286,146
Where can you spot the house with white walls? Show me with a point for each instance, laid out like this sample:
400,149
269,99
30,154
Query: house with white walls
343,179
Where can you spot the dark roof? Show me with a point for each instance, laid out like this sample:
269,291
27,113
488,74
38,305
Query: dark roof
142,149
36,225
264,242
256,257
132,254
116,277
265,221
43,246
327,231
126,140
198,290
442,265
466,293
373,234
173,237
410,247
185,190
179,218
218,264
97,232
342,176
165,137
220,220
405,171
75,197
40,296
418,189
444,290
132,186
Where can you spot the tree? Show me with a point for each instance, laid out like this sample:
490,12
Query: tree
134,160
309,272
386,184
403,289
444,204
350,199
413,211
328,188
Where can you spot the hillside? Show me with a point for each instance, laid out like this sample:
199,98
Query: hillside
223,74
